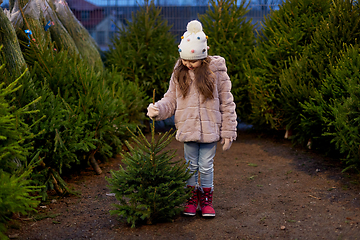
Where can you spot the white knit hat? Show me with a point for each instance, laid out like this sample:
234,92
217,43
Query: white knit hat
193,45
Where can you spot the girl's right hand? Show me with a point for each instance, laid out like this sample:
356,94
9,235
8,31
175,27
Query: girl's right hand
227,143
152,111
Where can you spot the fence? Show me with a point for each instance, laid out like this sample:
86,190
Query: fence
102,17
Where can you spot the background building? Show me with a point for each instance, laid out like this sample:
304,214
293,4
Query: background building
102,17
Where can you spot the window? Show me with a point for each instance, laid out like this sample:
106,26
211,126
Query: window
85,15
100,37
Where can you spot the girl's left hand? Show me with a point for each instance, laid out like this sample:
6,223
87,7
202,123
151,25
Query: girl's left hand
227,143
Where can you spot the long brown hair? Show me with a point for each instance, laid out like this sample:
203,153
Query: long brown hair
204,78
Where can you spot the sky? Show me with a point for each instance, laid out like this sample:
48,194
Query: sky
158,2
134,2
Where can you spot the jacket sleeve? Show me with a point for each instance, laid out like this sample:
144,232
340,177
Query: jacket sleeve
167,105
227,107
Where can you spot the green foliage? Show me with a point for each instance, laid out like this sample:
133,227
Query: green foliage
15,134
129,95
297,90
346,137
55,77
340,98
82,115
305,75
304,108
144,50
13,131
231,36
16,196
151,186
284,37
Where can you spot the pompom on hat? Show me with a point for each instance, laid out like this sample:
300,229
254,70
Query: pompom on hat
193,45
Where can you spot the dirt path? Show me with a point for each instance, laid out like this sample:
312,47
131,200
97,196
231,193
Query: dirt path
264,189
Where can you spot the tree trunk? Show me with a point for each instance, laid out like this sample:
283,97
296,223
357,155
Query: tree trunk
95,165
57,188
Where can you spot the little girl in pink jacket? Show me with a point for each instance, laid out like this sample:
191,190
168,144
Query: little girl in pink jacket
199,96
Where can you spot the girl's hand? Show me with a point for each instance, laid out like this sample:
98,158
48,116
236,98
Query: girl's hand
227,143
153,111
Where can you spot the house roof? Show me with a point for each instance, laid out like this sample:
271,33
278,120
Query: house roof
82,5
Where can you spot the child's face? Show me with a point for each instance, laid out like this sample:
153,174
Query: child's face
191,64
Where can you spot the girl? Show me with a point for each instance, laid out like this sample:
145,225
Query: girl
199,96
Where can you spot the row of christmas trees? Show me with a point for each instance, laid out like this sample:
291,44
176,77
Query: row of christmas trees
59,107
303,76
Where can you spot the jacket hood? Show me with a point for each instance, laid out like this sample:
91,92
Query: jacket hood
217,64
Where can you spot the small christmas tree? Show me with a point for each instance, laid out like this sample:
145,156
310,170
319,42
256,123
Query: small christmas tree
151,187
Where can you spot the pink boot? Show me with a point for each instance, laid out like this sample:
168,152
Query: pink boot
206,195
192,202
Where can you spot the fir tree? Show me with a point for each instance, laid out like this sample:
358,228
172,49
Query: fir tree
17,195
304,108
338,106
144,50
63,129
285,35
231,36
83,113
16,139
151,186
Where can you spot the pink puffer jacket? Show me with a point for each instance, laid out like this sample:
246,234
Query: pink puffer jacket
200,121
